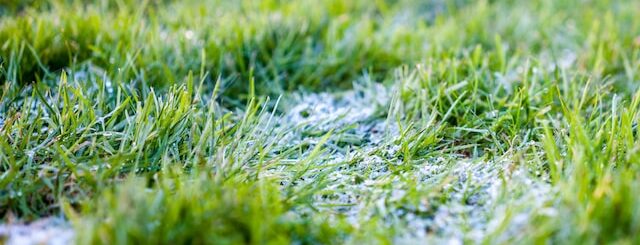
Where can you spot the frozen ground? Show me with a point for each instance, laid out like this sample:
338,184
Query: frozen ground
52,231
467,199
480,196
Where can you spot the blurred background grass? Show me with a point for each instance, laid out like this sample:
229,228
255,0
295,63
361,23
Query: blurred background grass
291,44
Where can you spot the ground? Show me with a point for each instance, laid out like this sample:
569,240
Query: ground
315,122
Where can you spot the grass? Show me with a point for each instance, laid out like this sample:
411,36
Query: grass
319,122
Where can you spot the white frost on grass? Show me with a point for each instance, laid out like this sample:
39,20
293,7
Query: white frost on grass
480,197
52,231
330,111
444,200
485,196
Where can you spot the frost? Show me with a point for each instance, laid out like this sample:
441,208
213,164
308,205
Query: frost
52,231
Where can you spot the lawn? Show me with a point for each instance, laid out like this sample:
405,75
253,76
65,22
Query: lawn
320,122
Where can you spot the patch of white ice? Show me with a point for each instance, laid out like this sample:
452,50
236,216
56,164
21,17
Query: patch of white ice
51,231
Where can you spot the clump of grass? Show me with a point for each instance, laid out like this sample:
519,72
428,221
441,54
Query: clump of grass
194,209
597,174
